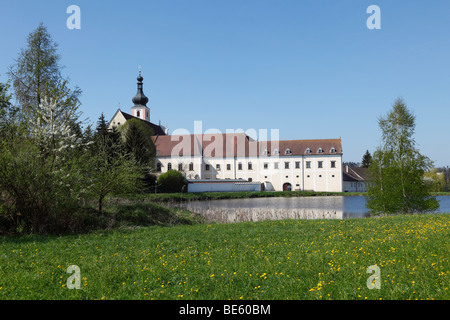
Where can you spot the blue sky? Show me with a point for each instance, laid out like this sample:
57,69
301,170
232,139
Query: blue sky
311,69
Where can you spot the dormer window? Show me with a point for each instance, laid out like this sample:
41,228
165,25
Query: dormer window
308,151
333,150
320,150
275,151
288,151
265,152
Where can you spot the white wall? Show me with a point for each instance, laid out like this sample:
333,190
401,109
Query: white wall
223,186
353,186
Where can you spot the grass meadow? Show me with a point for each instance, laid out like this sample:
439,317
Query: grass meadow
275,260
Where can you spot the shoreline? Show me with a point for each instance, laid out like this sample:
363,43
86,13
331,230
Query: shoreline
183,197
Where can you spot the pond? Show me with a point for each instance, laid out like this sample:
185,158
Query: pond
255,209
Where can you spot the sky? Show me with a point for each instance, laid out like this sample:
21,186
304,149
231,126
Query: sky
311,69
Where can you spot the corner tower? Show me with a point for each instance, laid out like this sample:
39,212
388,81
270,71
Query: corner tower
140,109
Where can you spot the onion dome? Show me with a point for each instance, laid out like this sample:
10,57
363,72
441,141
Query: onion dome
140,99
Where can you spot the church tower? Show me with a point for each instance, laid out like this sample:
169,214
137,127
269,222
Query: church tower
140,109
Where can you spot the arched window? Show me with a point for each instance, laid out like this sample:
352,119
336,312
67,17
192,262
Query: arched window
180,167
308,151
191,166
333,150
169,166
158,167
320,150
138,113
288,151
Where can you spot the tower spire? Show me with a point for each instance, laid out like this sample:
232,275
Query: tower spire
140,109
140,99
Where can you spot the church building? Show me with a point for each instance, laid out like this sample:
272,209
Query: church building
314,165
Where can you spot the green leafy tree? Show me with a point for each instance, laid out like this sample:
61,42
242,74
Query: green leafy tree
113,169
138,143
435,180
397,167
5,102
41,175
171,181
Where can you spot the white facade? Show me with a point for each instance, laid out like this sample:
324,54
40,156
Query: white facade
294,171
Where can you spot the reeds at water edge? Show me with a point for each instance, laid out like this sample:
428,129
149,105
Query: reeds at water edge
227,215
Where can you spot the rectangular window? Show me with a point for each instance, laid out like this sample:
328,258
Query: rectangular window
180,167
266,165
320,164
286,165
250,166
191,166
239,166
228,166
207,167
297,164
218,167
275,165
308,164
333,164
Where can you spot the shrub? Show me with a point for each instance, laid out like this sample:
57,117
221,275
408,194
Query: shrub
171,181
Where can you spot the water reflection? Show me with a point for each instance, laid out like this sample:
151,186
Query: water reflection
256,209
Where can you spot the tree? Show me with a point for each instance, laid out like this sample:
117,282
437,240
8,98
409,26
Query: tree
37,72
171,181
41,173
366,160
5,101
397,167
435,180
113,169
6,110
351,164
137,141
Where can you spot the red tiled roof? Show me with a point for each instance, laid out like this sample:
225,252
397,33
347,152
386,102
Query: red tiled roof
224,145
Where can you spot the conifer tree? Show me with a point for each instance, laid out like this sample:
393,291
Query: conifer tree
366,160
37,72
